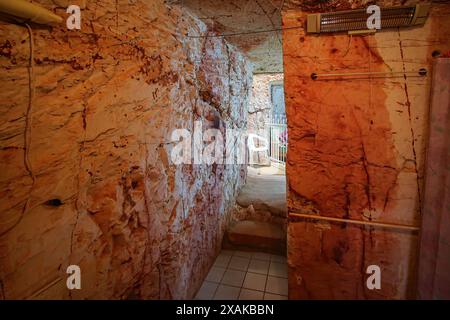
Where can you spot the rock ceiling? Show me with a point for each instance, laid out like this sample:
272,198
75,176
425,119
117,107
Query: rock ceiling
237,18
245,22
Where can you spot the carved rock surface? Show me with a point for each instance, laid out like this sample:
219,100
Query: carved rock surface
100,190
356,151
252,26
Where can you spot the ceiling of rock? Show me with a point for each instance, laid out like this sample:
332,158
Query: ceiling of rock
239,20
245,22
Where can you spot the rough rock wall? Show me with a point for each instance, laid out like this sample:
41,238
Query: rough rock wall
356,151
239,17
99,189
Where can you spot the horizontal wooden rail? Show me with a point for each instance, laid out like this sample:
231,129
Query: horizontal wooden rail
360,222
421,72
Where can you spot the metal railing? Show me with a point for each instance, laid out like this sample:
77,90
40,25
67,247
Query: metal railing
277,136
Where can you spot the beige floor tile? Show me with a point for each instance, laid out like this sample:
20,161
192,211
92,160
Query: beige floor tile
243,254
278,269
255,281
261,256
227,293
258,266
233,278
206,291
277,258
239,263
227,252
277,285
215,274
222,260
247,294
271,296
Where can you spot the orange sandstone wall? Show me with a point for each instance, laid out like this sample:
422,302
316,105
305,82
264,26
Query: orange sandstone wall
100,190
356,151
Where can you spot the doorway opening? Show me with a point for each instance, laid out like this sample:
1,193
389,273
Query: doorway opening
252,263
259,222
267,126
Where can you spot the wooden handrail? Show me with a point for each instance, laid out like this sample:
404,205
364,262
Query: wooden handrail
360,222
421,72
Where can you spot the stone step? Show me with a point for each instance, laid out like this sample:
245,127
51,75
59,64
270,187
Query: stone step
266,193
251,235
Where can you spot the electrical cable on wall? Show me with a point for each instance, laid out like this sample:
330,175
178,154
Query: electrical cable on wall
243,32
348,45
28,124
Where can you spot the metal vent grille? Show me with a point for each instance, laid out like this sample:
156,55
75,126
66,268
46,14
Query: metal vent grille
357,19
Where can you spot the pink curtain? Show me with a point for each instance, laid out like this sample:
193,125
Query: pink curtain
434,262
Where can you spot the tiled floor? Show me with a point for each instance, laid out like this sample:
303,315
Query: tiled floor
245,276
